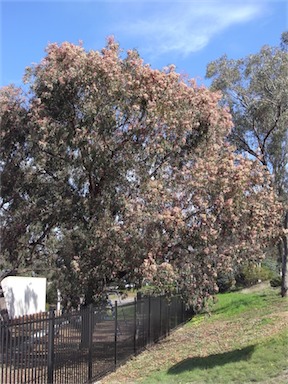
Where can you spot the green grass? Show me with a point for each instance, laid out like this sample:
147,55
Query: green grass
243,340
237,303
251,364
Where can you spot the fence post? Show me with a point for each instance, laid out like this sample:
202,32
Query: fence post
160,318
149,320
84,314
115,334
168,316
90,341
135,326
2,336
51,322
140,318
182,311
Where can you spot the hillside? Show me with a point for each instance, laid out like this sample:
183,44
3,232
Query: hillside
243,340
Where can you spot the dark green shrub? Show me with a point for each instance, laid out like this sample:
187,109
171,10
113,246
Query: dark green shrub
276,281
251,274
225,281
51,294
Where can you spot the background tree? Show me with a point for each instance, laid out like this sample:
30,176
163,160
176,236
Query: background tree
127,168
255,89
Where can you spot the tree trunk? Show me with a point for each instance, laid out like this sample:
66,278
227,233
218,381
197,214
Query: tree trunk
284,283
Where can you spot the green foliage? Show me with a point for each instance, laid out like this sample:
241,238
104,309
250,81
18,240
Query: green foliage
51,295
251,274
155,290
276,281
246,276
284,41
255,89
225,281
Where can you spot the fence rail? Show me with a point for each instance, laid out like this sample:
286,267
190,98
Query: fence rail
83,346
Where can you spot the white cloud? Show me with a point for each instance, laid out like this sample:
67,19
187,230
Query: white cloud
186,27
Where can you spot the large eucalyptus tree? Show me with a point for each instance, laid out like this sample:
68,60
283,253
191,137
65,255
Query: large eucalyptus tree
110,167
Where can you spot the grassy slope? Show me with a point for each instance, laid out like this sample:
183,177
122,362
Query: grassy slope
245,340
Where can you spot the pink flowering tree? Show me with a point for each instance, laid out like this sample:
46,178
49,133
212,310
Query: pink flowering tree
214,214
127,173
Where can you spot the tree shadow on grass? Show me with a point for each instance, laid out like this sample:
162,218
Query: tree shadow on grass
212,360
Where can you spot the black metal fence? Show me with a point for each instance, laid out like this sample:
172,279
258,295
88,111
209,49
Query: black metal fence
83,346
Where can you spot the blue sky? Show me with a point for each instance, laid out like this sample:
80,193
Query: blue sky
189,34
